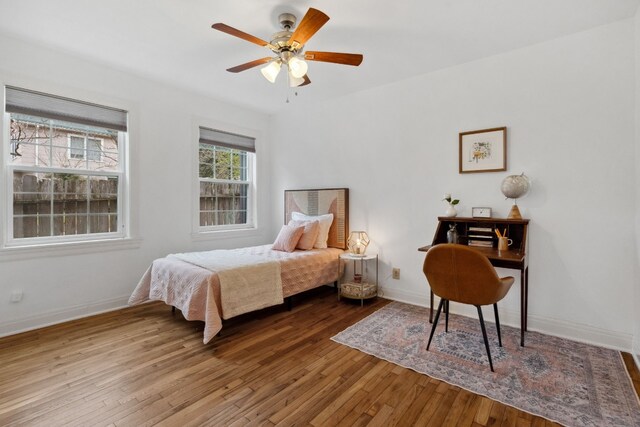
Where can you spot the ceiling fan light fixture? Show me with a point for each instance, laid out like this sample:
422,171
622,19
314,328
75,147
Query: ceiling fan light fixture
297,67
270,72
288,46
295,81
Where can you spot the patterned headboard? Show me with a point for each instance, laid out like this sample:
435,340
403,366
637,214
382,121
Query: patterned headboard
322,201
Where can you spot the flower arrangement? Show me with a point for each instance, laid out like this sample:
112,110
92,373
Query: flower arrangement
447,198
451,210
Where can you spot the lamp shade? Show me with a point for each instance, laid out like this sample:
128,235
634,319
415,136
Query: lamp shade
270,72
298,67
294,81
358,242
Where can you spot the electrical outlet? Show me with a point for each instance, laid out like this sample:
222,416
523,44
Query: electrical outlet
16,295
395,273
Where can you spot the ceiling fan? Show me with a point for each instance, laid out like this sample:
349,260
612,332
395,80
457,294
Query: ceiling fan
288,47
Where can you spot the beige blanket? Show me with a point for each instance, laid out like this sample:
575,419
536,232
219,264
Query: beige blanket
247,282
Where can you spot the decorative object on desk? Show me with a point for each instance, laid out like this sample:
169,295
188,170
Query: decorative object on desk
514,187
481,212
451,209
483,150
452,234
573,383
504,243
358,242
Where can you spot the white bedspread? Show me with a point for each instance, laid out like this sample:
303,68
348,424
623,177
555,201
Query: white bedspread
247,282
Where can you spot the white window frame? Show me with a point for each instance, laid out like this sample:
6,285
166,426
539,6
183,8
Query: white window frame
6,193
250,185
85,149
229,230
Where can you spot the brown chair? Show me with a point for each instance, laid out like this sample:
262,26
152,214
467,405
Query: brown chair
461,274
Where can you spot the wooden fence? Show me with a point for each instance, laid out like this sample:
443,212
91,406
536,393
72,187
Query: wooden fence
63,205
222,204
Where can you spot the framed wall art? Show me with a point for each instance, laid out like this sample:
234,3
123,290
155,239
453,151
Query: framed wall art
483,150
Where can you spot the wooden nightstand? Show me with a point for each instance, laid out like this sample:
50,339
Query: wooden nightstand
359,287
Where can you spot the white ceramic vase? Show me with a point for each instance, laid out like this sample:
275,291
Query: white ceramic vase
451,211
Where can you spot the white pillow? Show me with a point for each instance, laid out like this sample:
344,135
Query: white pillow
325,224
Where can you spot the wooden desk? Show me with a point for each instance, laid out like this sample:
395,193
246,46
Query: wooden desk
515,258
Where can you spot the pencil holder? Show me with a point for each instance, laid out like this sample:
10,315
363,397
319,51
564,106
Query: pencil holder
504,243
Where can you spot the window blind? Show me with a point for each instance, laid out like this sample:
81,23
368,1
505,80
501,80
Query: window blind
226,139
23,101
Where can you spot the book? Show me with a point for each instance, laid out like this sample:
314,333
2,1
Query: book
481,243
482,229
481,236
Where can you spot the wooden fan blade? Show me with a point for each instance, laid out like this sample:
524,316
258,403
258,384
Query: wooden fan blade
241,34
312,21
248,65
307,80
354,59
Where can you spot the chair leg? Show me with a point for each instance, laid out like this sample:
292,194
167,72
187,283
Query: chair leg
484,335
446,315
435,323
495,311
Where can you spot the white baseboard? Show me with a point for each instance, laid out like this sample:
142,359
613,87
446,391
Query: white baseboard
403,296
559,328
63,315
563,329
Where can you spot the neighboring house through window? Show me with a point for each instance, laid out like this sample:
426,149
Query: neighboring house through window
226,180
66,169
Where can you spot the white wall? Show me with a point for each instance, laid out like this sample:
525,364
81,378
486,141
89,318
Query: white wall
569,108
58,286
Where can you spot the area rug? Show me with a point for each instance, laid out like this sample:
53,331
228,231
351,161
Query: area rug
568,382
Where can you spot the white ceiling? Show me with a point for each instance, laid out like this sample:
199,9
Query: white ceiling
172,40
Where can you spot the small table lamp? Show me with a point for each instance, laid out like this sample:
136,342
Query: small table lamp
358,242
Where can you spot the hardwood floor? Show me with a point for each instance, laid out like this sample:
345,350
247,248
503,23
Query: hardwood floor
144,366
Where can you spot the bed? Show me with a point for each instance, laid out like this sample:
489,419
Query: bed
214,285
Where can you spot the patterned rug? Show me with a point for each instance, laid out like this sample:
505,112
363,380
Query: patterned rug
568,382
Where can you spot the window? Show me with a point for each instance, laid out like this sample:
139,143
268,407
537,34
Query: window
225,165
84,147
66,164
